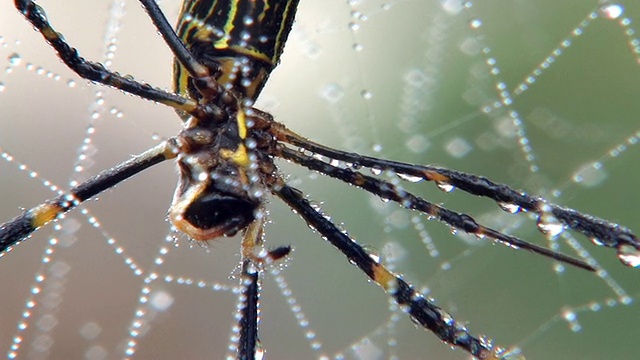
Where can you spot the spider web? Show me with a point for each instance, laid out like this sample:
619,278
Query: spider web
540,95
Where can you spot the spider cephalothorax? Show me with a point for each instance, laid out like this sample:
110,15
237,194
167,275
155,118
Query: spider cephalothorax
220,184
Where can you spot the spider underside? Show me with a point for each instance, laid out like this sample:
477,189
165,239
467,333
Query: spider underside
225,154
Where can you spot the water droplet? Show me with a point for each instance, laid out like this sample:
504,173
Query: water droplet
332,92
376,171
451,7
14,59
161,300
458,147
470,46
367,349
250,143
410,178
629,255
569,315
417,143
510,208
367,95
475,23
549,224
590,175
90,330
311,49
393,252
485,341
415,77
47,323
259,355
512,354
611,11
596,241
444,186
372,252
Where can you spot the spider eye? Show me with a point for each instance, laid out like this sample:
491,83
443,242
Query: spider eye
222,213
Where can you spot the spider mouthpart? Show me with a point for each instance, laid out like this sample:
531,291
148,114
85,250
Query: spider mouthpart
219,213
207,207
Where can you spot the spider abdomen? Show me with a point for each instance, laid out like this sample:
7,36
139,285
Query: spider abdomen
241,40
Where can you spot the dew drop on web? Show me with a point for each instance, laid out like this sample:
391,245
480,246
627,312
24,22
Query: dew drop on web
611,11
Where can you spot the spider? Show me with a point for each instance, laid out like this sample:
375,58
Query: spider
225,156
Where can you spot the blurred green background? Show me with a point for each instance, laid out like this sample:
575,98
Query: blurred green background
436,82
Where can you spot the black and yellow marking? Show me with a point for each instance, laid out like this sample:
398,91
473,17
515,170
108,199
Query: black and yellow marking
419,308
22,226
204,205
43,214
233,46
253,261
240,39
94,71
249,342
608,234
239,155
459,221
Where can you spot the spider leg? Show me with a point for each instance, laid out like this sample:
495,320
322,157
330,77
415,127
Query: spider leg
600,231
254,258
421,310
95,71
180,51
386,190
249,343
20,227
